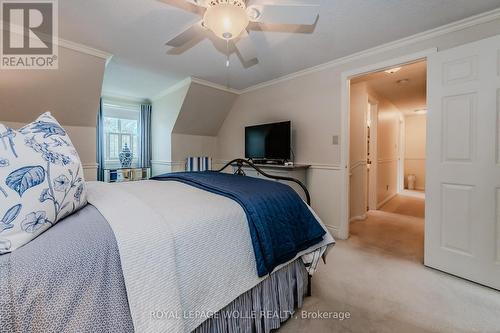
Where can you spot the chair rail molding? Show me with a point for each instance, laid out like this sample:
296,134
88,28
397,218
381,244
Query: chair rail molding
168,163
88,166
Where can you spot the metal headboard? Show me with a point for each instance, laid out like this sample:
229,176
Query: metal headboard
240,163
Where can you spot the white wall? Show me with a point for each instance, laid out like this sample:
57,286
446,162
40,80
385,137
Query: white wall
165,111
312,102
415,142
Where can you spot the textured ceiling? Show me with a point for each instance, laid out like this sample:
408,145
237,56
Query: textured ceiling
135,31
407,95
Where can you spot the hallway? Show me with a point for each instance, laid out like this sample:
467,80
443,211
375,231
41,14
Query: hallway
405,205
397,229
378,277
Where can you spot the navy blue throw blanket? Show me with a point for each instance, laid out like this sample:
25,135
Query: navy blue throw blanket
281,224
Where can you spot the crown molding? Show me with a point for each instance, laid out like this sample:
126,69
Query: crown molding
84,49
110,96
400,43
215,86
173,88
67,44
188,81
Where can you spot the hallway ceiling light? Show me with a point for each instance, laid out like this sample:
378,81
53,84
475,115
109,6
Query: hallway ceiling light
393,70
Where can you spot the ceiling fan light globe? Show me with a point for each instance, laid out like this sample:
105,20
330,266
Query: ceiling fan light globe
226,21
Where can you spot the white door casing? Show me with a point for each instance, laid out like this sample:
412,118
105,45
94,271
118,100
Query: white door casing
346,77
462,227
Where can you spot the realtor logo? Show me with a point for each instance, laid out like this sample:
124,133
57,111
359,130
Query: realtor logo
29,34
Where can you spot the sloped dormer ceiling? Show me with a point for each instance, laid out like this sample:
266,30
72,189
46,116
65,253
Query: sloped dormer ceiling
204,110
71,92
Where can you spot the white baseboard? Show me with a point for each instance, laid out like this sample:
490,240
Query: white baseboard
414,194
386,200
358,218
335,231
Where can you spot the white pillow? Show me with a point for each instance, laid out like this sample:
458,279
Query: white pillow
41,180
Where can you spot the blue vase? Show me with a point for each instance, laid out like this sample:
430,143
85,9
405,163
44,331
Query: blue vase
126,156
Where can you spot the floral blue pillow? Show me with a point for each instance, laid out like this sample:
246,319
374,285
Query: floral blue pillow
41,180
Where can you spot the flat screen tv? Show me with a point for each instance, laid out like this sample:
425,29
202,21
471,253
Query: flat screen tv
271,142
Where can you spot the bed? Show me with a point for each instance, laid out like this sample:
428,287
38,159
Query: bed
165,255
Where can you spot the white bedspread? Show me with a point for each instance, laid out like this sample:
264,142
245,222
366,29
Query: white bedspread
186,253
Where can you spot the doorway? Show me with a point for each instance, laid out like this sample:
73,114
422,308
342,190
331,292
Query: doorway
387,136
461,214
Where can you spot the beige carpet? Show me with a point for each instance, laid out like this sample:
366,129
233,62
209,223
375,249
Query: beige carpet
405,205
378,277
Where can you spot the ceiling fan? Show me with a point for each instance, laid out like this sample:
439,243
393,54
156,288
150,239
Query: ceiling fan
231,20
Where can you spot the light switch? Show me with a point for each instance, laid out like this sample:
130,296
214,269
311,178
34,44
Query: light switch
335,140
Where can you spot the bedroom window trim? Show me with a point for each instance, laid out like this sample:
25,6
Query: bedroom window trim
121,112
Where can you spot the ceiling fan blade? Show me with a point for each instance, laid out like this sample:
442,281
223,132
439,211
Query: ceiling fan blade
245,47
201,3
195,7
284,14
187,35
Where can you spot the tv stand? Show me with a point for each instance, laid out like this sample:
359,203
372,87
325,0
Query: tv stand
269,162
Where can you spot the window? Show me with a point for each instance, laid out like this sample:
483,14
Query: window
121,127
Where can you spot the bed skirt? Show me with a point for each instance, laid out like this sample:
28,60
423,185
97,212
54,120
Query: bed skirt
264,307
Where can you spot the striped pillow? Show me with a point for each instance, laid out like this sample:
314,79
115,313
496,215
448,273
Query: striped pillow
198,164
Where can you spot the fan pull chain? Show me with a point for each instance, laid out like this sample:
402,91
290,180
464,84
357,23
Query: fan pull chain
227,63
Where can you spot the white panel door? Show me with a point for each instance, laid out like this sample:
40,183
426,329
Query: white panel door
462,227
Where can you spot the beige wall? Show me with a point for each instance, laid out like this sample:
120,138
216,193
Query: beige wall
309,102
312,102
358,185
415,142
184,145
388,128
387,150
71,93
83,139
203,110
